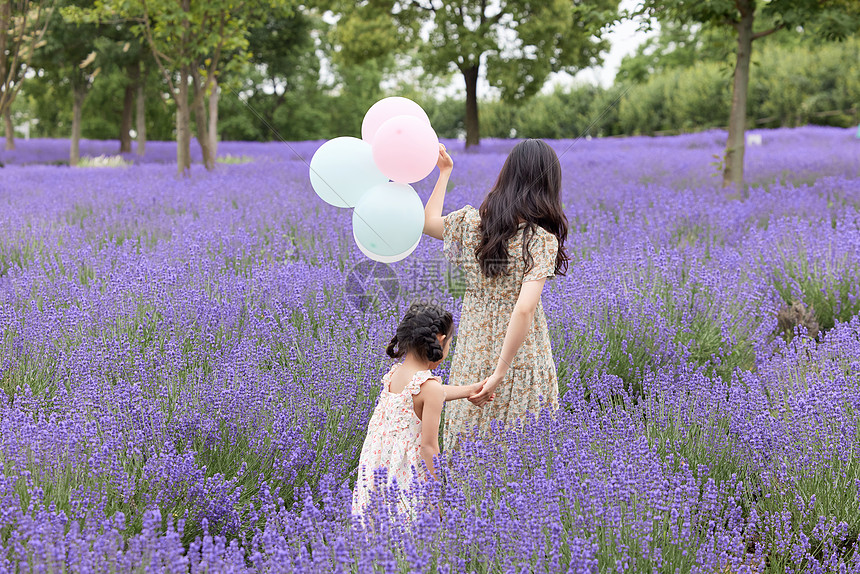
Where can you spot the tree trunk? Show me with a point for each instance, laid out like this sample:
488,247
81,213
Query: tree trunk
473,131
213,118
5,24
79,93
128,108
201,120
183,125
733,174
125,121
10,130
140,120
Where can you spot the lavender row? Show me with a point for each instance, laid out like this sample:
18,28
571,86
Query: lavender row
188,367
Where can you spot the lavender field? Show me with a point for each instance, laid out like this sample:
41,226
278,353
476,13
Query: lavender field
188,366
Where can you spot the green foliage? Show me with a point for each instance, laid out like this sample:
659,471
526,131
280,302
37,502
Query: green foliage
284,78
366,32
798,85
550,36
51,103
447,116
520,42
67,46
832,20
677,46
697,97
749,20
273,87
23,25
823,77
791,85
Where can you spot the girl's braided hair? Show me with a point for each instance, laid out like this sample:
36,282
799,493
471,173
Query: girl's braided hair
418,330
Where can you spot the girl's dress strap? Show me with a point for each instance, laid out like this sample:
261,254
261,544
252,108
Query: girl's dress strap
386,378
419,379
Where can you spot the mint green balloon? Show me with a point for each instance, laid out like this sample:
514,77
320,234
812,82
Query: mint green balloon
342,170
388,219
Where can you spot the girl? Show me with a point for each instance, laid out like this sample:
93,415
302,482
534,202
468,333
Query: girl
508,248
403,435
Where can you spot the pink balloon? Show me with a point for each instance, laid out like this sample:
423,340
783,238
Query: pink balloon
405,149
384,110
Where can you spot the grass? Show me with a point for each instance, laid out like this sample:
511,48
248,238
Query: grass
104,161
230,159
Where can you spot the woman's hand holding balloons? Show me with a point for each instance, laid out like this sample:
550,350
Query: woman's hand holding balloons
444,161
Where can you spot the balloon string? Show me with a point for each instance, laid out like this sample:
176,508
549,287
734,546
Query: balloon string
298,155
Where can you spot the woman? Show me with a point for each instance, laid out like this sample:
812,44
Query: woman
508,248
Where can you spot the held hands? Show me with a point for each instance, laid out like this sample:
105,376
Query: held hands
444,161
487,390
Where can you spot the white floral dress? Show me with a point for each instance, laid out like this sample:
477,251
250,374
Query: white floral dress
393,443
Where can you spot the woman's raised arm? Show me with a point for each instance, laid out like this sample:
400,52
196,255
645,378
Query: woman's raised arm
433,224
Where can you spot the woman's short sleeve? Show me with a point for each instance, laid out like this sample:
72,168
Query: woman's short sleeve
543,248
456,226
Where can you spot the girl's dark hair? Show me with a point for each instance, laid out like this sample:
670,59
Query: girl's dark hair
417,332
529,189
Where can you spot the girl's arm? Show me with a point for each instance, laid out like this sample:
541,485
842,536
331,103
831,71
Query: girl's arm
433,397
433,224
518,328
454,392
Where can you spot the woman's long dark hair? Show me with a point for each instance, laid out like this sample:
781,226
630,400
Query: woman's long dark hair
528,190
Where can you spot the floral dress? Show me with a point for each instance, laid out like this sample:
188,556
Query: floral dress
393,443
531,382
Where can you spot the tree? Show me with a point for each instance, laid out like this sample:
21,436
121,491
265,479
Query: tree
192,43
119,49
22,30
68,59
750,21
283,52
520,42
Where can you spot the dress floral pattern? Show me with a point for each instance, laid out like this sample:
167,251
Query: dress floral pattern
393,442
531,382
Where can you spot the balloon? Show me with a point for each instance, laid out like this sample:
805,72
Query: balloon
388,221
342,170
384,258
384,110
405,149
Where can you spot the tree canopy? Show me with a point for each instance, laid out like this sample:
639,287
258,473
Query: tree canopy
519,42
308,71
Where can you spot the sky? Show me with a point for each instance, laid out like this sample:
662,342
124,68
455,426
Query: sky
624,38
